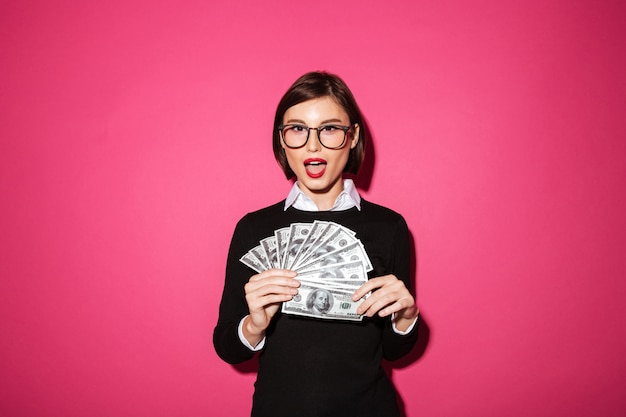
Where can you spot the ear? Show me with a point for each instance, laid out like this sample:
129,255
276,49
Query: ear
355,136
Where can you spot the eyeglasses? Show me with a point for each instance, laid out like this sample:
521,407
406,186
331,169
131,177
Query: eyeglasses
295,136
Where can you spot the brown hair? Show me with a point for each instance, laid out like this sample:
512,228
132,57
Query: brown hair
316,85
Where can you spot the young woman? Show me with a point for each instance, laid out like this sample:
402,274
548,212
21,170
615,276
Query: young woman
315,366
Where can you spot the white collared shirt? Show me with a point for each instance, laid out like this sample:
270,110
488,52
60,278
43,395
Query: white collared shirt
347,199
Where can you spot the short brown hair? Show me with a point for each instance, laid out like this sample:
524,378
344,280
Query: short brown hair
313,85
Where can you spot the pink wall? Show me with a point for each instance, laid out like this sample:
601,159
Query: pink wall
134,135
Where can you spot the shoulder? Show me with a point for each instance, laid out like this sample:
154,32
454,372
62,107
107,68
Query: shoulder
381,212
266,217
272,210
385,222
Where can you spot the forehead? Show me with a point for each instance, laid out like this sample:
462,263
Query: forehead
316,110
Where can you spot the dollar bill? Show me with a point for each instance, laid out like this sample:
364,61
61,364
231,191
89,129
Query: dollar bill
282,241
318,227
351,271
253,262
331,263
341,277
298,233
331,240
320,302
270,248
353,252
259,253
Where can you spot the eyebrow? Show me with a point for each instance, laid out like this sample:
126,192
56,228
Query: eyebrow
324,122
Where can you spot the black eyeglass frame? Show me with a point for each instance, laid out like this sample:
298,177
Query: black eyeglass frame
345,129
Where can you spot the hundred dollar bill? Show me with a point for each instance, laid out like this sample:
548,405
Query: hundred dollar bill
317,228
354,271
341,286
322,237
298,232
282,242
270,248
353,252
259,253
253,262
346,277
328,242
316,301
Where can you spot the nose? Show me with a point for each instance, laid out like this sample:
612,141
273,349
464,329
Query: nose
314,144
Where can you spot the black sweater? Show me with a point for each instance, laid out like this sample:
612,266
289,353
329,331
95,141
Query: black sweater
314,367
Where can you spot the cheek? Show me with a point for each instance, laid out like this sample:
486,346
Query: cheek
291,159
343,158
295,163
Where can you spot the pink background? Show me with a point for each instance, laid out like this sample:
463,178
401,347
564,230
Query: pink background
135,134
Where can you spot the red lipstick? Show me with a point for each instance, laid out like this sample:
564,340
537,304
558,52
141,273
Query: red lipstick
315,167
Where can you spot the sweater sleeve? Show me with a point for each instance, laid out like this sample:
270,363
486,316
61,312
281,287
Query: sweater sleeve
233,306
396,345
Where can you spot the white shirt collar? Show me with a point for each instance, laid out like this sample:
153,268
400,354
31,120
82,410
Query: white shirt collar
347,199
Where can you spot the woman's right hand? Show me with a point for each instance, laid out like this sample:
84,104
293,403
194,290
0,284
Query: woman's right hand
264,294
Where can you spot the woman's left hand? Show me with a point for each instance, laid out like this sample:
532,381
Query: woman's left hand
389,296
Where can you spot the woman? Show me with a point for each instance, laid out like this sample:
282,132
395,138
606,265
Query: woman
316,366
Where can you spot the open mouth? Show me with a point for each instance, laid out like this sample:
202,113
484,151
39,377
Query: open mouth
315,167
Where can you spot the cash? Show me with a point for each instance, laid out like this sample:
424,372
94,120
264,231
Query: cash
331,264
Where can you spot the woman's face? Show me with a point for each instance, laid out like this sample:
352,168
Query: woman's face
318,169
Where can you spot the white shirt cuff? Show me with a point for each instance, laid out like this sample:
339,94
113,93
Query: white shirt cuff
407,331
245,342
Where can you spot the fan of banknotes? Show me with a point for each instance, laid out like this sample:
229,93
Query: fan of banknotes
331,264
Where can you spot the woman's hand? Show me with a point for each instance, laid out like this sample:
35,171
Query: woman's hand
389,296
264,293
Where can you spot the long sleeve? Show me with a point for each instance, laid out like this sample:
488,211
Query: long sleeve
396,345
233,306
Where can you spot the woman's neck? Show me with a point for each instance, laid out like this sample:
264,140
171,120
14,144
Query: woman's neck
324,200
